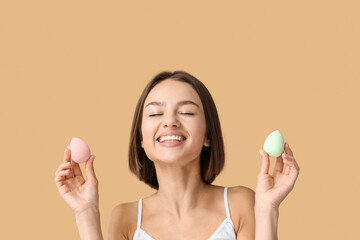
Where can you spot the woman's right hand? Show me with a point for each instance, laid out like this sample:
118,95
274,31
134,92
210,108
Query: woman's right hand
79,194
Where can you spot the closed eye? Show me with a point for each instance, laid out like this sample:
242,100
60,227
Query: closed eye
185,113
153,115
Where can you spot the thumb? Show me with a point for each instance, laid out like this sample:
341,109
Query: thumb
265,164
89,168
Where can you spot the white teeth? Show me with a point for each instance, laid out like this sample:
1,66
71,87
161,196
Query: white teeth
171,139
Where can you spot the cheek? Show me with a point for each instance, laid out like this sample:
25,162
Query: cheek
199,129
146,131
202,125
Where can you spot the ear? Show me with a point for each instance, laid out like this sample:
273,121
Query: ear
207,143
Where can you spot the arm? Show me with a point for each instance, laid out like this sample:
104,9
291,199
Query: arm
120,223
261,223
266,222
81,196
246,197
260,210
88,224
271,190
255,220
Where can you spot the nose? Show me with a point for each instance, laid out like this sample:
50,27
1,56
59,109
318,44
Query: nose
171,121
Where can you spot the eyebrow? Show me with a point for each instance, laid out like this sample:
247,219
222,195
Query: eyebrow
181,103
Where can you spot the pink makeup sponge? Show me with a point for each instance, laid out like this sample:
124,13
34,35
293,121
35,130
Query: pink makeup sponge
80,151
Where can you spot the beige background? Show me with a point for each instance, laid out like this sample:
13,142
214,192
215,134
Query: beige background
77,68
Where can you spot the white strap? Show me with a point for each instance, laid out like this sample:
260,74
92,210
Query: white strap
226,202
139,213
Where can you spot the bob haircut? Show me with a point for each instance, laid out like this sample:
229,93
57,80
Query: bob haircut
212,158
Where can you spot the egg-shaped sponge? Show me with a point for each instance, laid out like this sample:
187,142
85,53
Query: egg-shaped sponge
274,144
80,151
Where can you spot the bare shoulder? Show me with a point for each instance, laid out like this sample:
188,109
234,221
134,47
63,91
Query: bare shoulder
245,194
123,220
241,203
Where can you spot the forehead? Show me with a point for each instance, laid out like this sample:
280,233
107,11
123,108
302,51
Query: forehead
173,91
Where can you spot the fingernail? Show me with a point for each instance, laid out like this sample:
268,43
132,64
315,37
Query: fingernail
260,151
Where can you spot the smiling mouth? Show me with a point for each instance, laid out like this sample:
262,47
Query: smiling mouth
171,139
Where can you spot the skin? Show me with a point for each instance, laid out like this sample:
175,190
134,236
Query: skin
177,168
181,191
182,200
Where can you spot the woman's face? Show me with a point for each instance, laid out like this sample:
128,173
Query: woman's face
173,123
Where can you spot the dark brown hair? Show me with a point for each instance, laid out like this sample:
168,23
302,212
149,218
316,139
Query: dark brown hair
212,157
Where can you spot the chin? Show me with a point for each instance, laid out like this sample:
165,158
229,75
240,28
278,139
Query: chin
169,160
174,160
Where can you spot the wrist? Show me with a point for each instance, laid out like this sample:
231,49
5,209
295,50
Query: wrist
266,220
263,203
265,208
89,225
90,212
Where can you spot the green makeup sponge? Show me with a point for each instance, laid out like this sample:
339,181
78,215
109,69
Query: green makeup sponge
274,144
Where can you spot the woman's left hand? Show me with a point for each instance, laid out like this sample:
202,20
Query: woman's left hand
271,190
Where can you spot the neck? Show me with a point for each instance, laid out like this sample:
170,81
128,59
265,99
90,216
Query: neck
181,188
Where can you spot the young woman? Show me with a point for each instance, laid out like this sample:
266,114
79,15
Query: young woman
176,147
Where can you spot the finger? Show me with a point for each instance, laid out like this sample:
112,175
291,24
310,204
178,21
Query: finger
76,169
67,154
63,166
288,150
292,166
89,168
68,159
63,174
60,184
287,167
293,172
288,163
296,166
265,165
279,165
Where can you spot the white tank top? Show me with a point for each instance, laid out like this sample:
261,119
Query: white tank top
225,231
